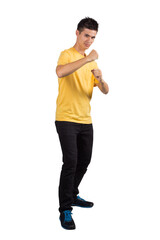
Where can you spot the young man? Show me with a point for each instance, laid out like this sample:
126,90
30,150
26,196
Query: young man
77,74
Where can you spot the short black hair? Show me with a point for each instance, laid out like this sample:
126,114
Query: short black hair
89,23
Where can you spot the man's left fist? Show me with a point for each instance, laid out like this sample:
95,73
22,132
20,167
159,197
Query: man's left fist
97,73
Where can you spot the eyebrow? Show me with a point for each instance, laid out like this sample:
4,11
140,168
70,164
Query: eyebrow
87,35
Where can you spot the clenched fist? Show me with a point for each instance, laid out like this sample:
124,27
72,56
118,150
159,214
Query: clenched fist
93,55
97,73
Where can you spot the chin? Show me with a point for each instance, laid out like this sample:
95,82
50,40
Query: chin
86,47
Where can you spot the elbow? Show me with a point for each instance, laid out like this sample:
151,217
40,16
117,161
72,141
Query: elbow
107,91
59,75
59,72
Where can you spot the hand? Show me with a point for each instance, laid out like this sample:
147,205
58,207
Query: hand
97,73
93,55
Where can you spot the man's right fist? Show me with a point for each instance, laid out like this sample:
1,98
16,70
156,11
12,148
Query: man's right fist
93,55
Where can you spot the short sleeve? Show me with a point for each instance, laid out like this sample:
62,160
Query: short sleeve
95,80
63,58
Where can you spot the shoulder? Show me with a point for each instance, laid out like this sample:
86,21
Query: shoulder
68,51
65,52
64,57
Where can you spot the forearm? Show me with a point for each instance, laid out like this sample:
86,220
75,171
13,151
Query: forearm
69,68
103,86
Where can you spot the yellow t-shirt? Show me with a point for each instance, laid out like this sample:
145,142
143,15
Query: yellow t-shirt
75,90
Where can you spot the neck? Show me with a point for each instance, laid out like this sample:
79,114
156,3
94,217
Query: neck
79,49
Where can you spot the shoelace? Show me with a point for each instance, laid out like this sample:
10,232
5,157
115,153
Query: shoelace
67,215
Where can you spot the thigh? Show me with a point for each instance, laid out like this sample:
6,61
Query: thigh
68,140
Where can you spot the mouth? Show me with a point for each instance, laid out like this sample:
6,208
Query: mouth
87,45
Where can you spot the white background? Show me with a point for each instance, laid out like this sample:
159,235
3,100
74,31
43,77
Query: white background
123,178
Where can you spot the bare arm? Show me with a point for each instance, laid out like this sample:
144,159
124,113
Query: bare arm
69,68
103,86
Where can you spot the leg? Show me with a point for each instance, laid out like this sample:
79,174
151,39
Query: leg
84,144
68,141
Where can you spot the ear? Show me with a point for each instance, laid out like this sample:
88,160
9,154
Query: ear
77,33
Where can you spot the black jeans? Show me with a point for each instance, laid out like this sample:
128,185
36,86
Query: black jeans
76,141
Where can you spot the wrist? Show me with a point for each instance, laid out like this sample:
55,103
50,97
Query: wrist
88,59
101,80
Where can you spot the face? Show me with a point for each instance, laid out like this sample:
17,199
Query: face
86,38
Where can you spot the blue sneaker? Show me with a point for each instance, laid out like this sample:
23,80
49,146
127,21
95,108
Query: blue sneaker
80,202
66,220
